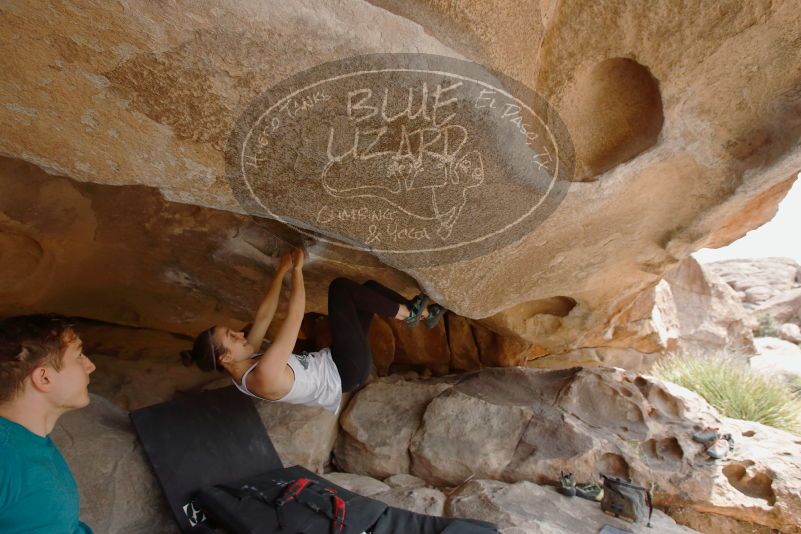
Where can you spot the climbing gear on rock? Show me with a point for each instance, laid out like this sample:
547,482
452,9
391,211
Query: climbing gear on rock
567,484
435,311
706,435
721,447
591,492
416,308
569,488
626,500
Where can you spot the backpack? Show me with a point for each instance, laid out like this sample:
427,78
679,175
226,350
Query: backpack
626,500
289,500
294,500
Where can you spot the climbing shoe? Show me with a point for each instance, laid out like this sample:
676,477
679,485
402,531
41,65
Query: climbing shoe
721,447
416,308
567,484
591,492
706,435
435,311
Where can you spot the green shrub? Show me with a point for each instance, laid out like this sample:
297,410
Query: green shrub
767,327
736,391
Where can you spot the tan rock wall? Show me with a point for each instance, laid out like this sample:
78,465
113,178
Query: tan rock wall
684,119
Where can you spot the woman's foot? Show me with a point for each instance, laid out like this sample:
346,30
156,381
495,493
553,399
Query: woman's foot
435,311
417,310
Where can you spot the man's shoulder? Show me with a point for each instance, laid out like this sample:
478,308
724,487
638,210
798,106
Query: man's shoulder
9,453
11,474
6,442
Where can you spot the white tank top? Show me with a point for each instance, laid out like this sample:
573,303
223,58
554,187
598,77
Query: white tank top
317,381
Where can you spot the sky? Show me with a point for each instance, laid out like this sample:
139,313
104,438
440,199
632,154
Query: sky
778,237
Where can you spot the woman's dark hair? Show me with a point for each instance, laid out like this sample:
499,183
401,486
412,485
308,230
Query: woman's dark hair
204,352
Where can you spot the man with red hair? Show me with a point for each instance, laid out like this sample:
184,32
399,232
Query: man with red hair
43,374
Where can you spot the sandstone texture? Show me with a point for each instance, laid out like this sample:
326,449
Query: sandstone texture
783,308
428,501
119,493
403,480
302,435
514,425
690,310
527,508
137,367
131,104
129,257
117,206
361,484
790,332
495,435
758,280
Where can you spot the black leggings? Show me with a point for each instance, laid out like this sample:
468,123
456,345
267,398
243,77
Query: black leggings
350,311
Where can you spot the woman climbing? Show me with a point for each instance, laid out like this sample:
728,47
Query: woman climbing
316,378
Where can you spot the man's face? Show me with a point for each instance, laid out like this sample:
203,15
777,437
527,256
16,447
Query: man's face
69,384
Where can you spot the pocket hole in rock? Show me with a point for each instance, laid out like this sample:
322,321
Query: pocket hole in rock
758,485
663,450
613,464
629,124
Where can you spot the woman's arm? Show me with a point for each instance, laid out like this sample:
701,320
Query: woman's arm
273,362
266,312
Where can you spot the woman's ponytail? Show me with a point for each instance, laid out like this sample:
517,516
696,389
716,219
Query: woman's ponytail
204,352
186,358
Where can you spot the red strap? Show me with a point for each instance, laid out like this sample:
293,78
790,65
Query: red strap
289,495
292,491
338,523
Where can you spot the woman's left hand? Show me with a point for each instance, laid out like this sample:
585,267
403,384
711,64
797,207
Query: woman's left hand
284,263
298,256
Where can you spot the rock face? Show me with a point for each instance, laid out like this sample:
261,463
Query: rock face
790,332
758,280
783,308
302,435
494,436
125,255
519,508
144,99
376,442
523,508
363,485
137,367
703,311
683,124
517,425
690,309
770,289
119,494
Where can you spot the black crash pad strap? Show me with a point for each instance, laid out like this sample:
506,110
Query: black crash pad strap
320,507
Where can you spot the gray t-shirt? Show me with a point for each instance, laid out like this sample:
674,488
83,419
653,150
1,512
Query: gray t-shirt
317,381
